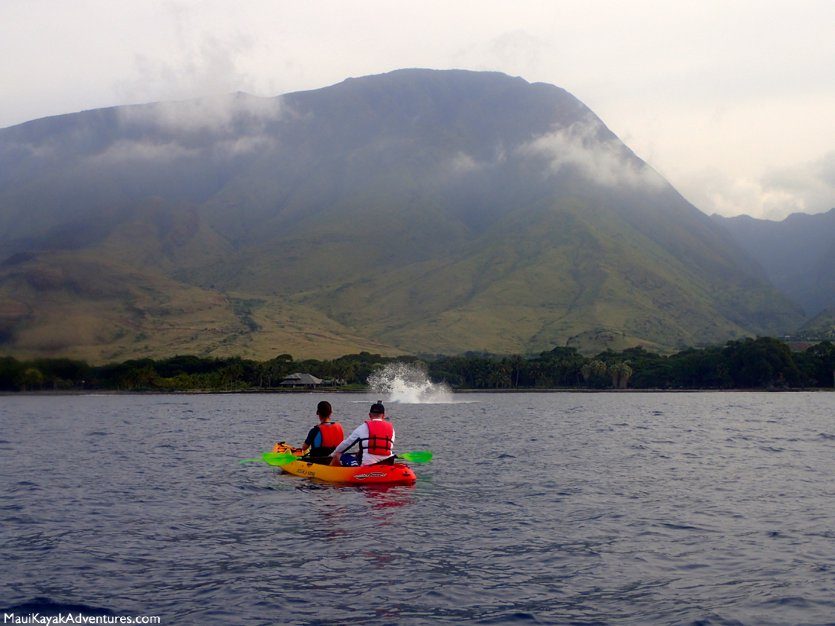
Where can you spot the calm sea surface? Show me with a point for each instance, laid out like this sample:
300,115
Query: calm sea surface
553,508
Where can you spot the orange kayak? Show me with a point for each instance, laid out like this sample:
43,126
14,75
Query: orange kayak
396,474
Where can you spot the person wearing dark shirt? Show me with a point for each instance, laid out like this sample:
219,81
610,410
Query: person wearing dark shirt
322,439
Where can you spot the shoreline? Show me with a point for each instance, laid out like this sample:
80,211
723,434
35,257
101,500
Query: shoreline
162,392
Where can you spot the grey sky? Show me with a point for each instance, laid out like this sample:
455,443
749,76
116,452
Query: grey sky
733,101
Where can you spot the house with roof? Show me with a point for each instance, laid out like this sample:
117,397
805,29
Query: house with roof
299,379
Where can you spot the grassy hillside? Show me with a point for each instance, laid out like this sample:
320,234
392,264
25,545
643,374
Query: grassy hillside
83,308
819,327
529,285
417,211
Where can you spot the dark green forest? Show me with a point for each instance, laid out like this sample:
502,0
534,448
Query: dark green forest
762,363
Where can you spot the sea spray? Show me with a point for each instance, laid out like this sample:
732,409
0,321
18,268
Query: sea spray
408,383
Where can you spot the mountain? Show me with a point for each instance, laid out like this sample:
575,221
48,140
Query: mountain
417,211
797,253
819,327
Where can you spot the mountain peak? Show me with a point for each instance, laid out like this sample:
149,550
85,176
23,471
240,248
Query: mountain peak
436,75
486,212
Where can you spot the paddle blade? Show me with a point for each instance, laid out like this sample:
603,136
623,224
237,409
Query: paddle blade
279,458
418,456
273,458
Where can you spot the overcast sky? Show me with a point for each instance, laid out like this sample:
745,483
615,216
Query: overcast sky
733,101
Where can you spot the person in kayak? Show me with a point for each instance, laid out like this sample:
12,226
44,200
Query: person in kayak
375,438
322,439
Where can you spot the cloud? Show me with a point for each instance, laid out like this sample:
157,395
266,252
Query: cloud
464,163
158,152
201,54
167,151
585,148
224,126
714,191
808,188
515,51
812,185
221,127
219,115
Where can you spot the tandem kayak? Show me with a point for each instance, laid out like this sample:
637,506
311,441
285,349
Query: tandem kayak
395,474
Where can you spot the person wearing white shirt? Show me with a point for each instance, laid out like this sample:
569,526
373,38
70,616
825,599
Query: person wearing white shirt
375,438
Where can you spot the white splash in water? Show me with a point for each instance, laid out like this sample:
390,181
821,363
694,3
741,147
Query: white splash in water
409,383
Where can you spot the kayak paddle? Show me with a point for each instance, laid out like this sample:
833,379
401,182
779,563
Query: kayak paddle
418,456
283,458
274,458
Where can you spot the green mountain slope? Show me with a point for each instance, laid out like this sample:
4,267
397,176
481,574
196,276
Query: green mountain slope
797,253
416,211
819,327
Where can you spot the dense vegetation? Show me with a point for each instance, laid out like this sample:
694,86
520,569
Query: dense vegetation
762,363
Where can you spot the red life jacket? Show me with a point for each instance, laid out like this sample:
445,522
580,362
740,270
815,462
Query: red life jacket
379,437
332,434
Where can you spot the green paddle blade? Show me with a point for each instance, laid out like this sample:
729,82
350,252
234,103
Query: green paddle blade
418,456
279,458
274,458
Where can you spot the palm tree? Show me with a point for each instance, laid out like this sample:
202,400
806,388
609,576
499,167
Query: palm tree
620,373
593,369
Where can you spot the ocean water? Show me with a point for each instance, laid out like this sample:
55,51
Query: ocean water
547,508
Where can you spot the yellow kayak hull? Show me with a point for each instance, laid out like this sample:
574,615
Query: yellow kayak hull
396,474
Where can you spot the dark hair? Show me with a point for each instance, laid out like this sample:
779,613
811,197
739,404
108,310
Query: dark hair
323,409
377,407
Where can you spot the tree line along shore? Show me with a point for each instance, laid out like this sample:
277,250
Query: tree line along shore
761,363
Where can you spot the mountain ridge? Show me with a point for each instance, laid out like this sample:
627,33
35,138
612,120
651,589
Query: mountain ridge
416,211
797,254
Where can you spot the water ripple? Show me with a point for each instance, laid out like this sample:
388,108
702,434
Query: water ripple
617,508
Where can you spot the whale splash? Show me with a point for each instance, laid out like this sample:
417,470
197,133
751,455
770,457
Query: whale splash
408,383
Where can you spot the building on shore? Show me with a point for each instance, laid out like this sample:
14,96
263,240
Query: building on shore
299,379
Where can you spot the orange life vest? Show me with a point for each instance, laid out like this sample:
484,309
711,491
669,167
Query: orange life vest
379,437
332,434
